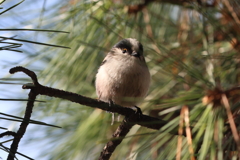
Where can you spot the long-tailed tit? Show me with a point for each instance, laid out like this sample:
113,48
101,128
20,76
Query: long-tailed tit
123,77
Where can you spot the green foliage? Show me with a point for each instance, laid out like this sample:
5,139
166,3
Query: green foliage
185,60
180,63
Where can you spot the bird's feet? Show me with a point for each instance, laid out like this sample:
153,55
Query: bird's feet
110,103
138,111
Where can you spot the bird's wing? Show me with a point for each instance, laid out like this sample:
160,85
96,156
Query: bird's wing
103,62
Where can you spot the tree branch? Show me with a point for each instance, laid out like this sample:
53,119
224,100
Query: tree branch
118,136
22,129
8,133
144,120
131,118
134,9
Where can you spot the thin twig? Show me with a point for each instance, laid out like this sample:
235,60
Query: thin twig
7,133
117,138
188,132
180,133
22,129
31,74
184,117
231,10
231,122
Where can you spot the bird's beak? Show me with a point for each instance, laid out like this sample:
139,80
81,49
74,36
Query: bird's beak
135,54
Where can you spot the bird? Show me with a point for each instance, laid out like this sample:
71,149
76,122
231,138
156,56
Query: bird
123,77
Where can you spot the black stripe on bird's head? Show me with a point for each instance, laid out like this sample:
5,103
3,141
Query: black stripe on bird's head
131,47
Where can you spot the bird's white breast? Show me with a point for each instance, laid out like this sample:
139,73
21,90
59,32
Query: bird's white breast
124,80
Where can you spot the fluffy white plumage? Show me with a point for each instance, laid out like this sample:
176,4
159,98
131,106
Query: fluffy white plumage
123,77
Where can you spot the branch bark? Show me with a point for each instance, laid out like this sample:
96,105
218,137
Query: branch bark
144,120
118,137
22,129
131,118
7,133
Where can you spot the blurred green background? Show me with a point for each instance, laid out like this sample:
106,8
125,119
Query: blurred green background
191,48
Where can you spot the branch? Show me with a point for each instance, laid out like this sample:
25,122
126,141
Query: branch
134,9
8,133
118,136
22,129
144,120
131,118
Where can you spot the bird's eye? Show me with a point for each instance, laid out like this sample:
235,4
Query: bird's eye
124,50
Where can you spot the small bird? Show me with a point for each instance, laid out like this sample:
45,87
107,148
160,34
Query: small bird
123,77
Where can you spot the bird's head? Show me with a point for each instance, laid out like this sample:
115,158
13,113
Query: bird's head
129,47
